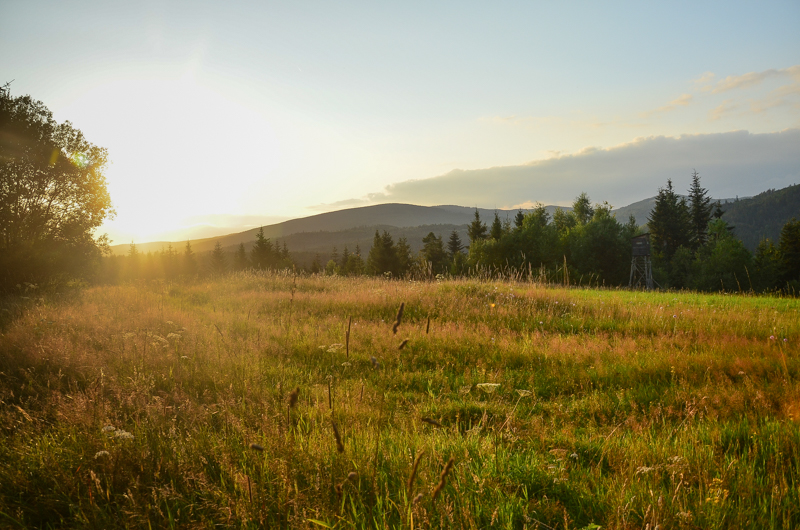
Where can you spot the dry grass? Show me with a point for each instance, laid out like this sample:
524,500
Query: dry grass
261,400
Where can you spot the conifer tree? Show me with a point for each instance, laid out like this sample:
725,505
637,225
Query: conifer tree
189,261
476,230
669,224
519,219
218,264
261,252
700,212
497,228
454,245
240,260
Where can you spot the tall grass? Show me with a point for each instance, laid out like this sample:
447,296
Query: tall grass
252,401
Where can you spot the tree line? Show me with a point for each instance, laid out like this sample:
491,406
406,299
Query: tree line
53,195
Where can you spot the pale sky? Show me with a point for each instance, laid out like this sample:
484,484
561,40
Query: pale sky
241,113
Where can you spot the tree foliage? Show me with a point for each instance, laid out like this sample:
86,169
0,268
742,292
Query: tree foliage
53,195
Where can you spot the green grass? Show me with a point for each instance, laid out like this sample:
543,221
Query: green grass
615,408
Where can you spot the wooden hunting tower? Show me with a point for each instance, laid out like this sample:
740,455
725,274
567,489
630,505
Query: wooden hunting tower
641,265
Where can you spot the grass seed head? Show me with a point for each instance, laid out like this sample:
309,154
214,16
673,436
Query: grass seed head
256,447
443,478
293,397
402,344
339,444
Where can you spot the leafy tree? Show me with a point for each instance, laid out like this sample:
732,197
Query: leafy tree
700,212
218,262
476,230
582,209
53,195
496,231
261,254
600,249
189,261
240,261
563,220
723,263
454,245
767,266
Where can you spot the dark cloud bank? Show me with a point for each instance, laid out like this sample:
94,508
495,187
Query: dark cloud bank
729,164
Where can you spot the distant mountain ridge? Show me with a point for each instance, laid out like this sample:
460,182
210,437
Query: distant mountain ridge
753,218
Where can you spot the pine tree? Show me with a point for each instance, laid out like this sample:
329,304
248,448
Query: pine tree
217,264
497,228
241,262
133,262
382,257
454,245
789,248
476,230
669,223
345,258
402,256
433,252
261,253
700,212
519,219
189,261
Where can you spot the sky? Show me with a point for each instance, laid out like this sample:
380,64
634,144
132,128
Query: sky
223,116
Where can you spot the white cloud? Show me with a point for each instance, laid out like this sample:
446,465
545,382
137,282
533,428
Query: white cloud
751,79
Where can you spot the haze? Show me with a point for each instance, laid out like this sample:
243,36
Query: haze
226,116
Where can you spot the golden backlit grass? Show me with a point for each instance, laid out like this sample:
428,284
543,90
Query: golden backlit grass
172,405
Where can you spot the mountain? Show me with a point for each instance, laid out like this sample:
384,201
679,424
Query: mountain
382,216
753,218
764,215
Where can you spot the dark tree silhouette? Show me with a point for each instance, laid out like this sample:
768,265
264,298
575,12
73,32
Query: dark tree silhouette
700,212
476,230
53,195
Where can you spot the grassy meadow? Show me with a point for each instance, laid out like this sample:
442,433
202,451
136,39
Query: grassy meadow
241,402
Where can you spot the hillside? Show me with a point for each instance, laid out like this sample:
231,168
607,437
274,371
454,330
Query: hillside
380,216
764,215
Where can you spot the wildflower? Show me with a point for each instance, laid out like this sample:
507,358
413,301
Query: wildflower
772,337
123,435
100,454
375,363
489,388
523,393
465,389
109,428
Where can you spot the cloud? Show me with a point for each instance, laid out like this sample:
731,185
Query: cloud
682,101
338,205
721,111
751,79
733,163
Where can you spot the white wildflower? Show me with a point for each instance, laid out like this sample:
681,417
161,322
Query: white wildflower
489,388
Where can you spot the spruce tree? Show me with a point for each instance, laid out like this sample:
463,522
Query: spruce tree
189,261
497,228
454,245
261,252
519,219
217,264
240,261
700,212
476,230
669,223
